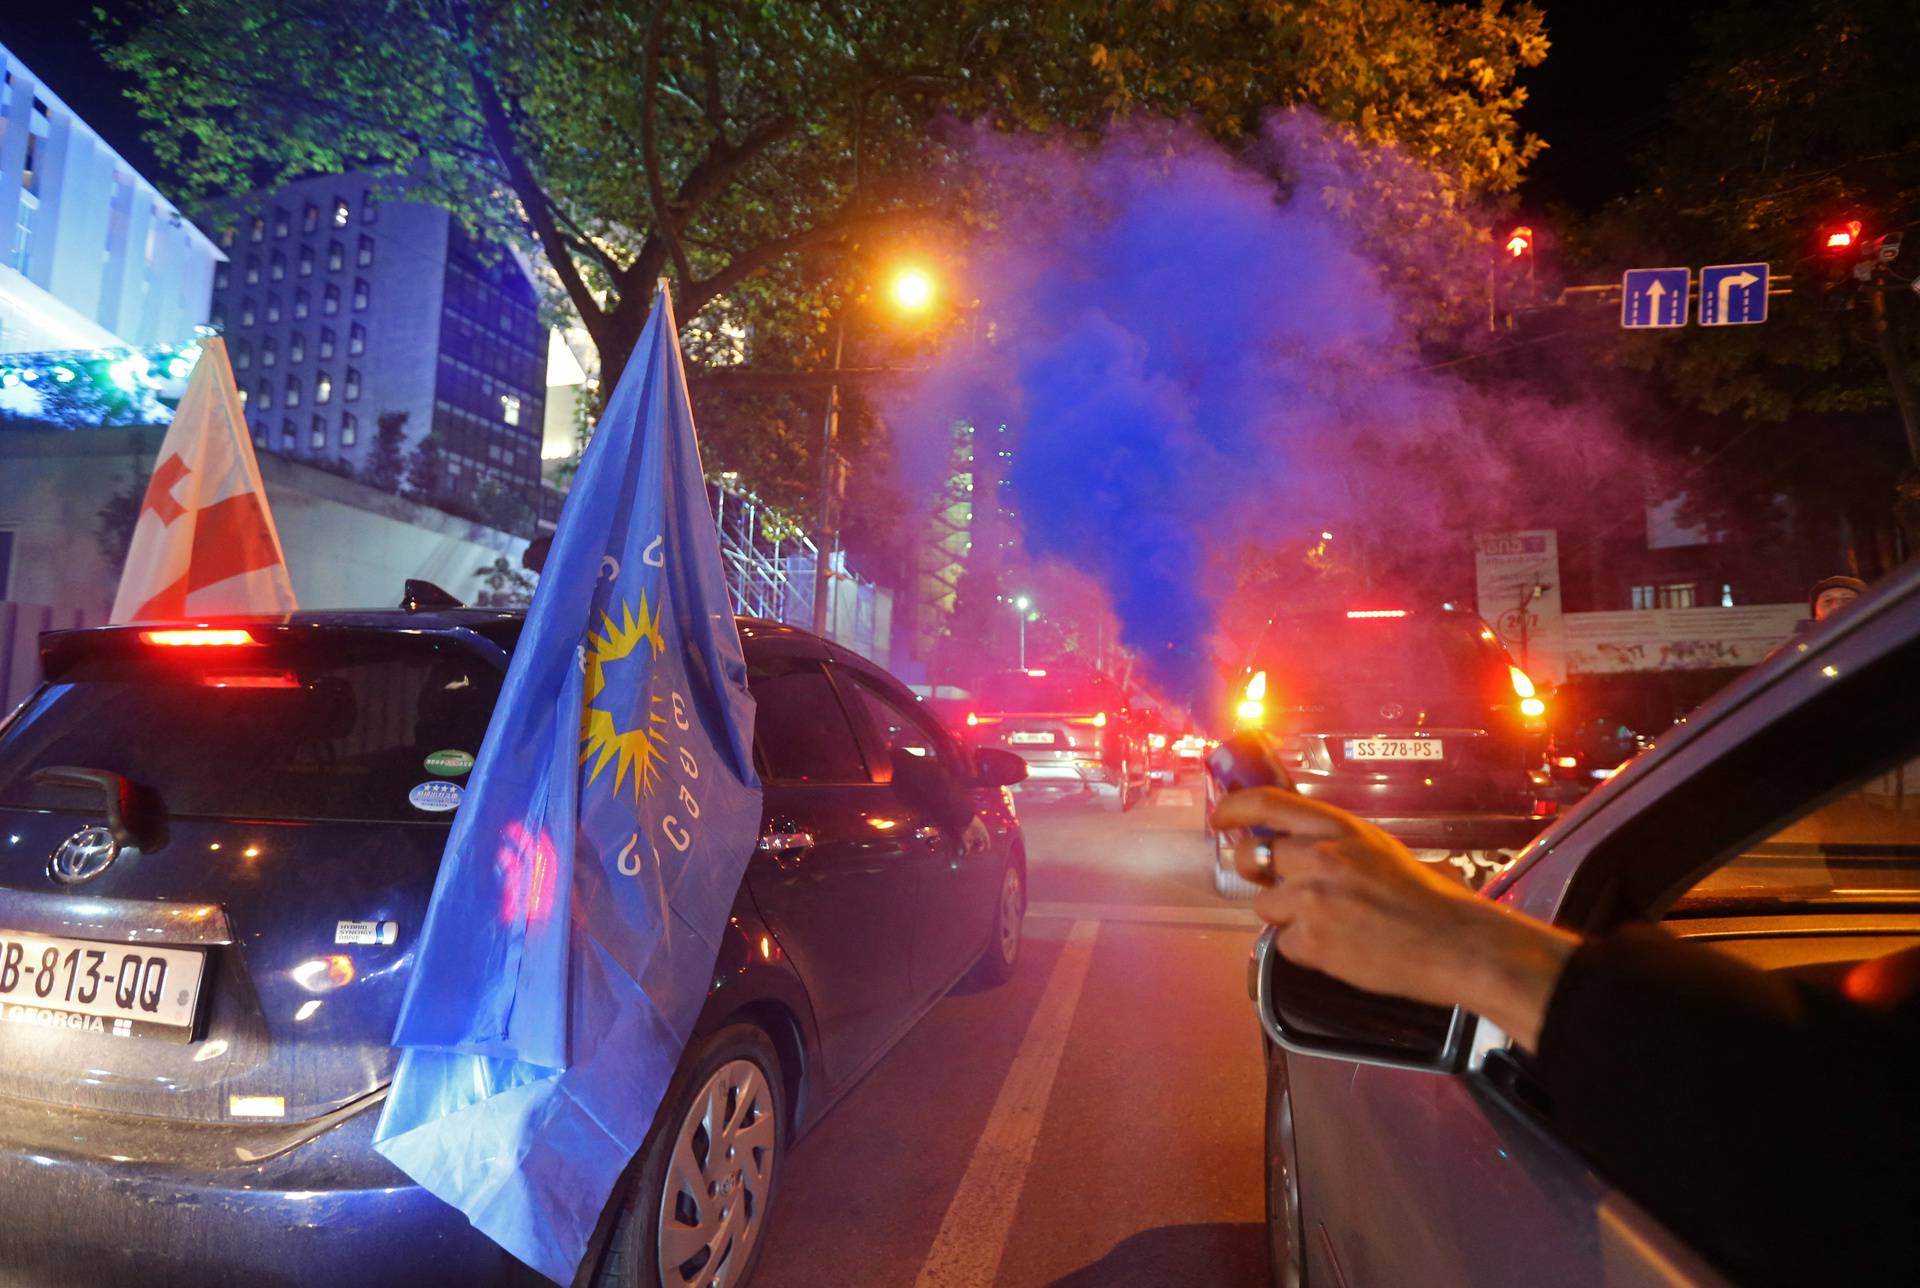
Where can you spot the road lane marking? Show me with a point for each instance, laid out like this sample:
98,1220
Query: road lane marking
1181,796
1158,914
966,1253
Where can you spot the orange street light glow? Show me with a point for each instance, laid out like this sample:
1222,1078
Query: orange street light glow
912,290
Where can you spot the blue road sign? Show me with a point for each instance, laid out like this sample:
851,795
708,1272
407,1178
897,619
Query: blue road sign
1733,294
1654,297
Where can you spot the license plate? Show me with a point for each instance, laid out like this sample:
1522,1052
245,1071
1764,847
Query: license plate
1394,748
1029,738
80,985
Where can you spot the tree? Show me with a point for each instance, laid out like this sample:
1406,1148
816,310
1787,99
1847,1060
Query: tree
426,471
386,465
723,143
504,586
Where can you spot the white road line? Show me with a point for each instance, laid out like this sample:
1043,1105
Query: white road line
1158,914
973,1237
1181,796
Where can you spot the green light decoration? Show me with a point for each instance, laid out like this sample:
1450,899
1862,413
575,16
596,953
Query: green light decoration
84,388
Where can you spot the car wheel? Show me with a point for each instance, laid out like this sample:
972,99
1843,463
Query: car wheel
696,1205
1285,1249
1002,952
1227,881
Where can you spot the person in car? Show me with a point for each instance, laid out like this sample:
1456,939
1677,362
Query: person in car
1771,1122
1832,594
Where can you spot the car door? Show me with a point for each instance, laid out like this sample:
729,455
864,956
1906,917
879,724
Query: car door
836,872
1408,1177
957,887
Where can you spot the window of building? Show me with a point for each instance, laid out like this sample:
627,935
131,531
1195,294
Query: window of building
336,257
318,438
282,221
226,238
287,440
510,409
269,351
1726,594
273,307
246,311
309,218
302,303
293,391
222,276
356,339
323,388
306,261
353,384
297,348
330,302
365,255
257,229
266,395
1677,595
253,270
242,356
278,269
362,294
349,429
219,315
326,342
369,207
342,212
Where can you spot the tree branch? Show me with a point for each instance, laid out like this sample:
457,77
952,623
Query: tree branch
649,144
725,160
747,263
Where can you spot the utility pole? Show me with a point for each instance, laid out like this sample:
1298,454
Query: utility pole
826,535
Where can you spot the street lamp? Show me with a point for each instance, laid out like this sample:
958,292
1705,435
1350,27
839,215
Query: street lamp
912,291
1022,607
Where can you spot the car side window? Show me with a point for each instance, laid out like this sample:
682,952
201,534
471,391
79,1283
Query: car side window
801,732
903,732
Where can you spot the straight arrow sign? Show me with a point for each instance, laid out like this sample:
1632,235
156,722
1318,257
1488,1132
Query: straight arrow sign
1654,297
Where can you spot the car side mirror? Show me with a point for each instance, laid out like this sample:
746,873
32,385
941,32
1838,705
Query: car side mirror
993,767
1311,1013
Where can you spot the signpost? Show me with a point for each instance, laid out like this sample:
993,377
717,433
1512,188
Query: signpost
1733,295
1654,297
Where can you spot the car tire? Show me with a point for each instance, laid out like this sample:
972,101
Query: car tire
1002,953
727,1086
1286,1246
1227,881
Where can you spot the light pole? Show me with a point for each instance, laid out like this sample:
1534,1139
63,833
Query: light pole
911,291
1021,607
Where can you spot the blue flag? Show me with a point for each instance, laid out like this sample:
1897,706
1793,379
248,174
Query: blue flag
595,857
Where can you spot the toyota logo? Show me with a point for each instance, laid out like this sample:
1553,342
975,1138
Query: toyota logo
1392,711
83,856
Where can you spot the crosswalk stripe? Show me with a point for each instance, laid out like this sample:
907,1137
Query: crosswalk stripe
967,1251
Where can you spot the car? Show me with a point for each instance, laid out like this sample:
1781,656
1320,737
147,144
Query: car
1780,824
1416,720
220,840
1079,732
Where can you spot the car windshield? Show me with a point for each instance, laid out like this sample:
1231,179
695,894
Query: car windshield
1861,850
341,729
1314,656
1050,691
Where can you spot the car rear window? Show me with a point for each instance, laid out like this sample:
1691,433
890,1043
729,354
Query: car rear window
342,728
1316,656
1050,691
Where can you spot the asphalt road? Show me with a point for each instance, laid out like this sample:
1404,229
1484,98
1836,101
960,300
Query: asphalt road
1096,1121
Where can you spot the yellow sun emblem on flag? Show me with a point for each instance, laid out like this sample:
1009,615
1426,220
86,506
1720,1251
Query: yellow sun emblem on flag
622,692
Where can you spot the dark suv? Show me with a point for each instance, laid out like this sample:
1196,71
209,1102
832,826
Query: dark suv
1417,720
1076,729
218,848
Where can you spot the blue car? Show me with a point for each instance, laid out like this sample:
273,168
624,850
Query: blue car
217,842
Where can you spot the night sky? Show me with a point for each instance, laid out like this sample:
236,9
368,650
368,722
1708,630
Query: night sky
1597,100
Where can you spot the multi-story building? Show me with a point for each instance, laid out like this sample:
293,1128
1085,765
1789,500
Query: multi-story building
91,255
340,307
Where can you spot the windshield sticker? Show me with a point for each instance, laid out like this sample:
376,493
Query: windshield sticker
436,798
449,764
383,933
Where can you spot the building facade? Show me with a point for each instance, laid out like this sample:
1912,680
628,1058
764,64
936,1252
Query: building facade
91,255
340,307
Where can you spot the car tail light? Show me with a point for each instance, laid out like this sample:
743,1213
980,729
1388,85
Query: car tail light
1156,740
196,637
1253,707
1545,809
1369,614
1098,721
973,721
1567,762
1531,703
249,679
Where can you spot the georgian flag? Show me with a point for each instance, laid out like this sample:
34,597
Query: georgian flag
204,543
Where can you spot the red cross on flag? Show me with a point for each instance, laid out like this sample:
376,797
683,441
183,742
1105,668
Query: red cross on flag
204,543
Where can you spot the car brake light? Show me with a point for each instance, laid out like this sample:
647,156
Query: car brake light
1365,614
973,720
1037,673
1568,762
1156,740
250,680
1522,682
1545,809
1532,707
1100,720
196,637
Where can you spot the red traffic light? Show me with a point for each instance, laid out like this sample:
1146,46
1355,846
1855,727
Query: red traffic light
1520,241
1845,237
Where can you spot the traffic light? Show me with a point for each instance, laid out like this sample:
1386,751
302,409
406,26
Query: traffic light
1519,242
1853,260
1843,238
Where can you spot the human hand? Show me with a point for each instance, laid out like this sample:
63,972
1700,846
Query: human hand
1350,900
976,839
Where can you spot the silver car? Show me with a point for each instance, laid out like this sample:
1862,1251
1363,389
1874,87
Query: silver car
1780,823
